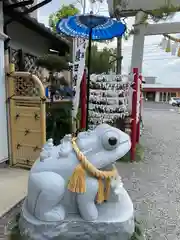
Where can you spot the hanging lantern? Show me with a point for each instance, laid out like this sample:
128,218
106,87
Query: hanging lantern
178,52
168,47
174,47
163,43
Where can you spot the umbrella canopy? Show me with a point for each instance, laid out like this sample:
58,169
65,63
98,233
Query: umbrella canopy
100,27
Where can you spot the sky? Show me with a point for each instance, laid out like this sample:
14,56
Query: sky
156,62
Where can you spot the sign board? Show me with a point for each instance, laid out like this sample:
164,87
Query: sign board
130,7
79,51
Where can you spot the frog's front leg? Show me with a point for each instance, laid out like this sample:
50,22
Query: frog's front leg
86,201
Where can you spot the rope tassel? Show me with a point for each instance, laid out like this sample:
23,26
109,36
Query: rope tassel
178,54
100,194
107,188
77,180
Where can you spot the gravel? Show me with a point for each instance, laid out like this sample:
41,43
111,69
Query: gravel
154,184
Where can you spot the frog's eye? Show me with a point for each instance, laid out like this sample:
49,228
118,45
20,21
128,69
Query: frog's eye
110,140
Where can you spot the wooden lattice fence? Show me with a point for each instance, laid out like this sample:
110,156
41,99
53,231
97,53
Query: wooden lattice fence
30,64
14,58
24,61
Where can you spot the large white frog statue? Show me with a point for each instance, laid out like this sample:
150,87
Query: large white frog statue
78,177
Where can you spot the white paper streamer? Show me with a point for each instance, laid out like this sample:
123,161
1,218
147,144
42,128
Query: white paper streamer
163,43
174,47
109,98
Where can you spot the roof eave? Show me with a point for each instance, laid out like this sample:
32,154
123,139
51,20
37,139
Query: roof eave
62,45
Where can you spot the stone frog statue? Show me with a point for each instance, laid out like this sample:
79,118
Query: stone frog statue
75,177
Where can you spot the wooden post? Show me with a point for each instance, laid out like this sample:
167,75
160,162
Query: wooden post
21,63
134,110
10,84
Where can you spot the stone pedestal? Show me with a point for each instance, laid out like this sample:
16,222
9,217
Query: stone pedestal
75,228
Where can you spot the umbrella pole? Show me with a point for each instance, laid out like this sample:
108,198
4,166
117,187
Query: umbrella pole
88,78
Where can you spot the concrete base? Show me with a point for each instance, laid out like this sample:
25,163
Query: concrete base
75,228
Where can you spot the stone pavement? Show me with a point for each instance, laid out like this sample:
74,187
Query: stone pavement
13,184
154,185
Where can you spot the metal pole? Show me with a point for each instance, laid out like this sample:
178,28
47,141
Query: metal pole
83,101
119,53
88,78
84,7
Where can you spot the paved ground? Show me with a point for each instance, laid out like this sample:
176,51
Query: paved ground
13,185
158,106
154,185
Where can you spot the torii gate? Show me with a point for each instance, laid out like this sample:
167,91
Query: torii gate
131,8
143,30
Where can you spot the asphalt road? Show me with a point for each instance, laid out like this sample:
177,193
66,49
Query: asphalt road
157,106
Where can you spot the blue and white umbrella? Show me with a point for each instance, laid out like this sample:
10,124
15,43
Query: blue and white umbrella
91,27
99,27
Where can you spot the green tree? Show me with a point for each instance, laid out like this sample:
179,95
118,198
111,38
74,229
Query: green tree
59,119
64,12
100,60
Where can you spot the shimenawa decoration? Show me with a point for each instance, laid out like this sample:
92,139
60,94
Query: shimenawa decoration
171,45
77,181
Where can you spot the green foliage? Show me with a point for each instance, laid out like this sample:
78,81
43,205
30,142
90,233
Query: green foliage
58,120
52,62
164,12
100,60
58,115
139,156
63,12
138,233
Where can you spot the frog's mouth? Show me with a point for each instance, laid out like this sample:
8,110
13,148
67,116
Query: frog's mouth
125,141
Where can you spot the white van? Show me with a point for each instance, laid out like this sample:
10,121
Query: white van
174,100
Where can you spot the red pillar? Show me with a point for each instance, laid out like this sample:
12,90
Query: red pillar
134,110
83,101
